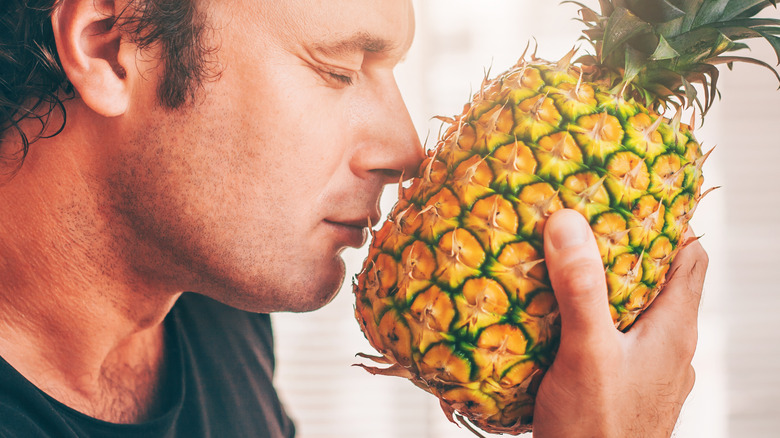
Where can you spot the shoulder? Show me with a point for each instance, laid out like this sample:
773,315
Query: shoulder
24,410
18,423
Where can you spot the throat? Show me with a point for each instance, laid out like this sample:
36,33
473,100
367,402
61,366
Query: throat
133,385
133,393
136,390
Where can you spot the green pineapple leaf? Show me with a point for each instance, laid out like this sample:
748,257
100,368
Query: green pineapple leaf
710,12
750,7
606,7
634,62
622,26
691,8
655,11
691,94
655,43
774,41
732,59
664,50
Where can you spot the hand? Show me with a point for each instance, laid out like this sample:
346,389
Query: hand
605,383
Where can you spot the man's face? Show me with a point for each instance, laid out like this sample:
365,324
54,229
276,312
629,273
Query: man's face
253,191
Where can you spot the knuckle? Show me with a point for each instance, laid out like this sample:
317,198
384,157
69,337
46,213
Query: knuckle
701,257
686,344
704,257
690,380
696,277
694,251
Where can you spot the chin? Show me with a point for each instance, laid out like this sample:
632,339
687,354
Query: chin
305,292
316,301
316,292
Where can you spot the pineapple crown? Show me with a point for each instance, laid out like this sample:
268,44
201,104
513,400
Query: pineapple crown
656,50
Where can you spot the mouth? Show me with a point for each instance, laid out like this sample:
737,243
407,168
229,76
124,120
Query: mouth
352,233
368,220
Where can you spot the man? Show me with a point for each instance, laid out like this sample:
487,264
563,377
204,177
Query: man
234,148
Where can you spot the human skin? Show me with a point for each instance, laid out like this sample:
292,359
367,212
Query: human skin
605,383
248,195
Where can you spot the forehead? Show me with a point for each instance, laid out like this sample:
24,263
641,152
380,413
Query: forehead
338,25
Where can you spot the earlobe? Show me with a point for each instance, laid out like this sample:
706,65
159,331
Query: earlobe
91,53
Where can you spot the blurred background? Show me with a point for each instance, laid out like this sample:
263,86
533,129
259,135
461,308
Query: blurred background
737,393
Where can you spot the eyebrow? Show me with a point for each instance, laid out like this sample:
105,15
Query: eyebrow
359,42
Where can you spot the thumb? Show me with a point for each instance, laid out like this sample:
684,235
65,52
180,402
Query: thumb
577,276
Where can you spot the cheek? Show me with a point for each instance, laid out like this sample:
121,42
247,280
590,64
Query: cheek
292,151
236,188
290,132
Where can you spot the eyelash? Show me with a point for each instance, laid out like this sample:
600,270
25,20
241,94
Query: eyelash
343,79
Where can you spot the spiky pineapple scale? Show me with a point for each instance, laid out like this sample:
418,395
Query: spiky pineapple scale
454,293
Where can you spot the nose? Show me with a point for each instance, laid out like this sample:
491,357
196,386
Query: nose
391,147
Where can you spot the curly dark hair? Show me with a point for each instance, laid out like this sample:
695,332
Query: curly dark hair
33,83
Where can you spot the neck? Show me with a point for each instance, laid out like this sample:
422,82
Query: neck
77,319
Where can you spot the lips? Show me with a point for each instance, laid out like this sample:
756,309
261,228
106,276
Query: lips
352,231
348,234
367,221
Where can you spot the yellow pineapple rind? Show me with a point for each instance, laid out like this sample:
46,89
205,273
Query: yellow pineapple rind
454,291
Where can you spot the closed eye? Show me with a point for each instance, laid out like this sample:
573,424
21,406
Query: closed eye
343,79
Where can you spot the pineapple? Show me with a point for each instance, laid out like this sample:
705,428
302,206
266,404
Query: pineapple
454,293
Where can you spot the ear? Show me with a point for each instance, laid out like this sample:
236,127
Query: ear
93,55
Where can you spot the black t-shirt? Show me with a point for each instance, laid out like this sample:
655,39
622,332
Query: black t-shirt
222,367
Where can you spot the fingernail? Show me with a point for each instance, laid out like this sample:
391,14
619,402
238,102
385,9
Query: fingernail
569,229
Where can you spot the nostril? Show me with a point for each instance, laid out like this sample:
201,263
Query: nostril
393,174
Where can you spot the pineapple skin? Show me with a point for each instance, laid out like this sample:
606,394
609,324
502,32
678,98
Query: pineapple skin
454,293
